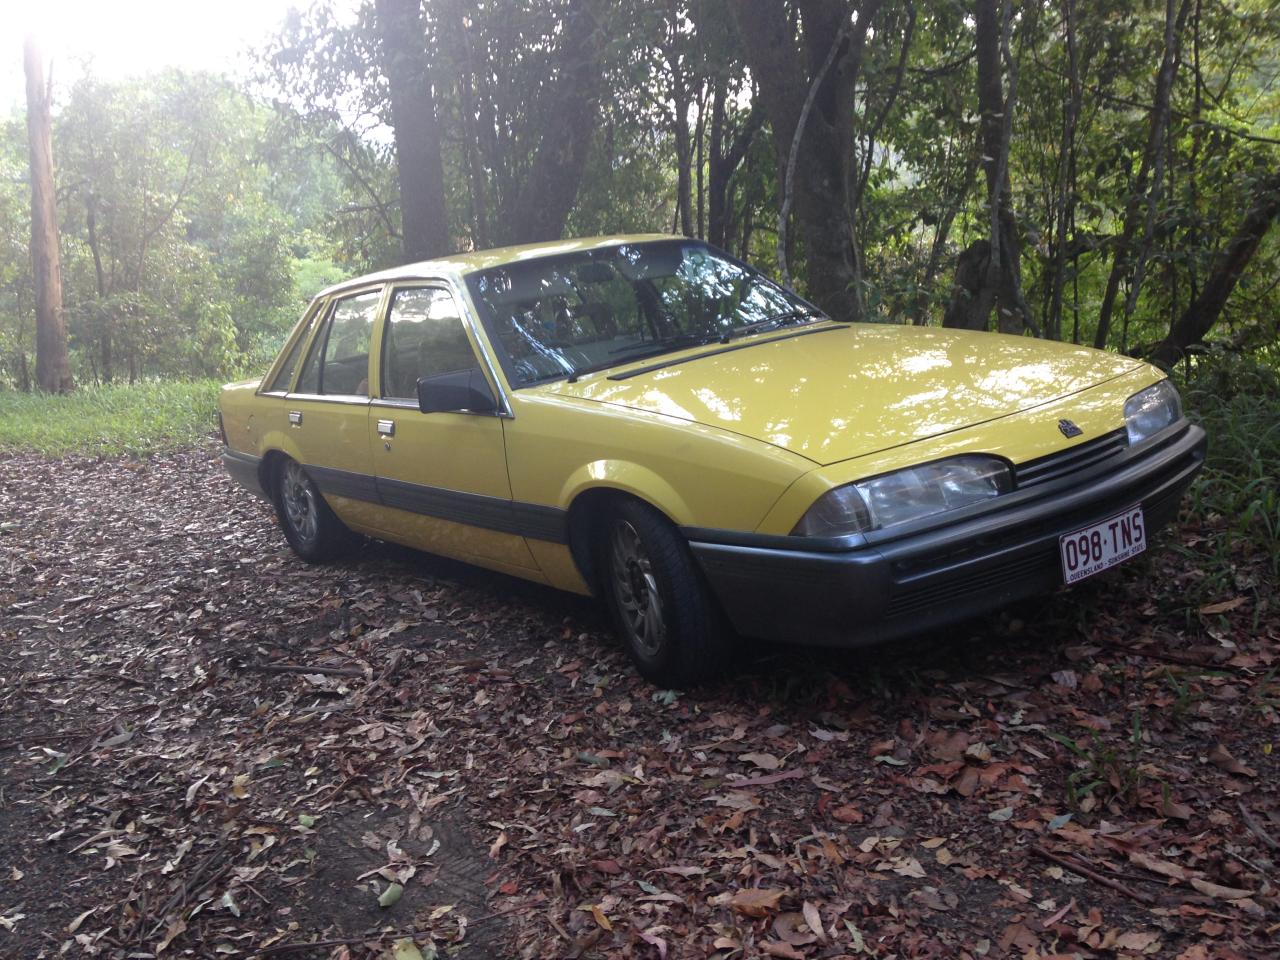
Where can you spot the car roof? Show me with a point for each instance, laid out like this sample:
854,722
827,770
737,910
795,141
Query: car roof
460,264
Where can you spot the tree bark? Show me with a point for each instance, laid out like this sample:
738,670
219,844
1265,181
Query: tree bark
53,371
424,219
1141,205
1203,312
572,107
787,70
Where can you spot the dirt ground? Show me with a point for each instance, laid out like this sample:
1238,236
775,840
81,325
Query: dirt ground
210,749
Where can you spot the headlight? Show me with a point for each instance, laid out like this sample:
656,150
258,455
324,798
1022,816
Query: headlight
1150,411
905,495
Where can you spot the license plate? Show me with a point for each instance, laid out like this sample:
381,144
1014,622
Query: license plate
1102,545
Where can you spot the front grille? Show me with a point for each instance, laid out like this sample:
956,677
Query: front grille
1010,574
1066,462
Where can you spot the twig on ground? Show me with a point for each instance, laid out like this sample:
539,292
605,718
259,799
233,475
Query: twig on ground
1091,874
303,668
1258,830
293,947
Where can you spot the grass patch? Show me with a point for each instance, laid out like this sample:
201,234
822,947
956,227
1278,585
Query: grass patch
141,419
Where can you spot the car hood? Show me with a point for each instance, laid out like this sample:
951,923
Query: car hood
840,391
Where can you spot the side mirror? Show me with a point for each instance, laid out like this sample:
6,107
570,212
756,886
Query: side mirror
464,391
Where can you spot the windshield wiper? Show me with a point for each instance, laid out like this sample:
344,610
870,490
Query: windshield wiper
777,320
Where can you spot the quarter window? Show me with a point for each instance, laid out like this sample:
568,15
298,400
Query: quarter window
285,377
425,338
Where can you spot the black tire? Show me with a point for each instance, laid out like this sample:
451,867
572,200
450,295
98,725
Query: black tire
684,639
312,529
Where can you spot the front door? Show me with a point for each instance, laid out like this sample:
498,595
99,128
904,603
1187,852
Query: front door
442,477
327,414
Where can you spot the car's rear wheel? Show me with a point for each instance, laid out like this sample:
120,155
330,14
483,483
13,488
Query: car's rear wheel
312,529
660,604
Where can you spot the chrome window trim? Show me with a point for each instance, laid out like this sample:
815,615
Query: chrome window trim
347,398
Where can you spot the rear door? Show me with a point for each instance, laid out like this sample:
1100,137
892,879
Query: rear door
441,476
327,413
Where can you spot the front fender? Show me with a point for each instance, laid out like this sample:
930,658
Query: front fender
631,478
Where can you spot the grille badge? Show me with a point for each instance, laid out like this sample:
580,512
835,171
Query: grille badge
1069,429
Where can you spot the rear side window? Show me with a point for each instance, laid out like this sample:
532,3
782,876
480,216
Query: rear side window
338,363
285,377
425,338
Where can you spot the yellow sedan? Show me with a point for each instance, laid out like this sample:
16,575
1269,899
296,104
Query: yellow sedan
648,420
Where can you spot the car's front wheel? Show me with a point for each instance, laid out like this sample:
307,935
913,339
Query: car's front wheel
310,526
659,601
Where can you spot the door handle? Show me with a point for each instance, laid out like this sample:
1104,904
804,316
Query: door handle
387,428
295,417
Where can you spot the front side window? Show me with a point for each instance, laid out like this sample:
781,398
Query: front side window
425,338
557,316
338,363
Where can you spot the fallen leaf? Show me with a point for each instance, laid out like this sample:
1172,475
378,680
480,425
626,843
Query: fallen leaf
1166,868
908,867
655,941
778,948
1001,815
753,902
765,761
814,919
1210,889
600,918
1137,941
496,847
171,933
847,813
405,949
765,779
1224,606
1221,758
390,896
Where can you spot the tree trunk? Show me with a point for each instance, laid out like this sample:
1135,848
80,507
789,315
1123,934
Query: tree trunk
470,136
104,323
53,372
573,106
684,152
424,219
1141,205
1064,214
1000,284
790,73
1203,312
724,163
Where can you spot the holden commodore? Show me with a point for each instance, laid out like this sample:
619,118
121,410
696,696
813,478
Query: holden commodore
650,421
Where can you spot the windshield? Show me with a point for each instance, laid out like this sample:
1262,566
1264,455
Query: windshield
560,316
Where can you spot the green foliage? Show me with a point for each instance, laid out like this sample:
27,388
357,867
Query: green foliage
147,417
217,211
1104,771
192,231
1237,400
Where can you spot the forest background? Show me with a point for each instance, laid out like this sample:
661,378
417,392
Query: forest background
1105,173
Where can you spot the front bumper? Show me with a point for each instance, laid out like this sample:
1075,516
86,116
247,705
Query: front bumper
782,588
